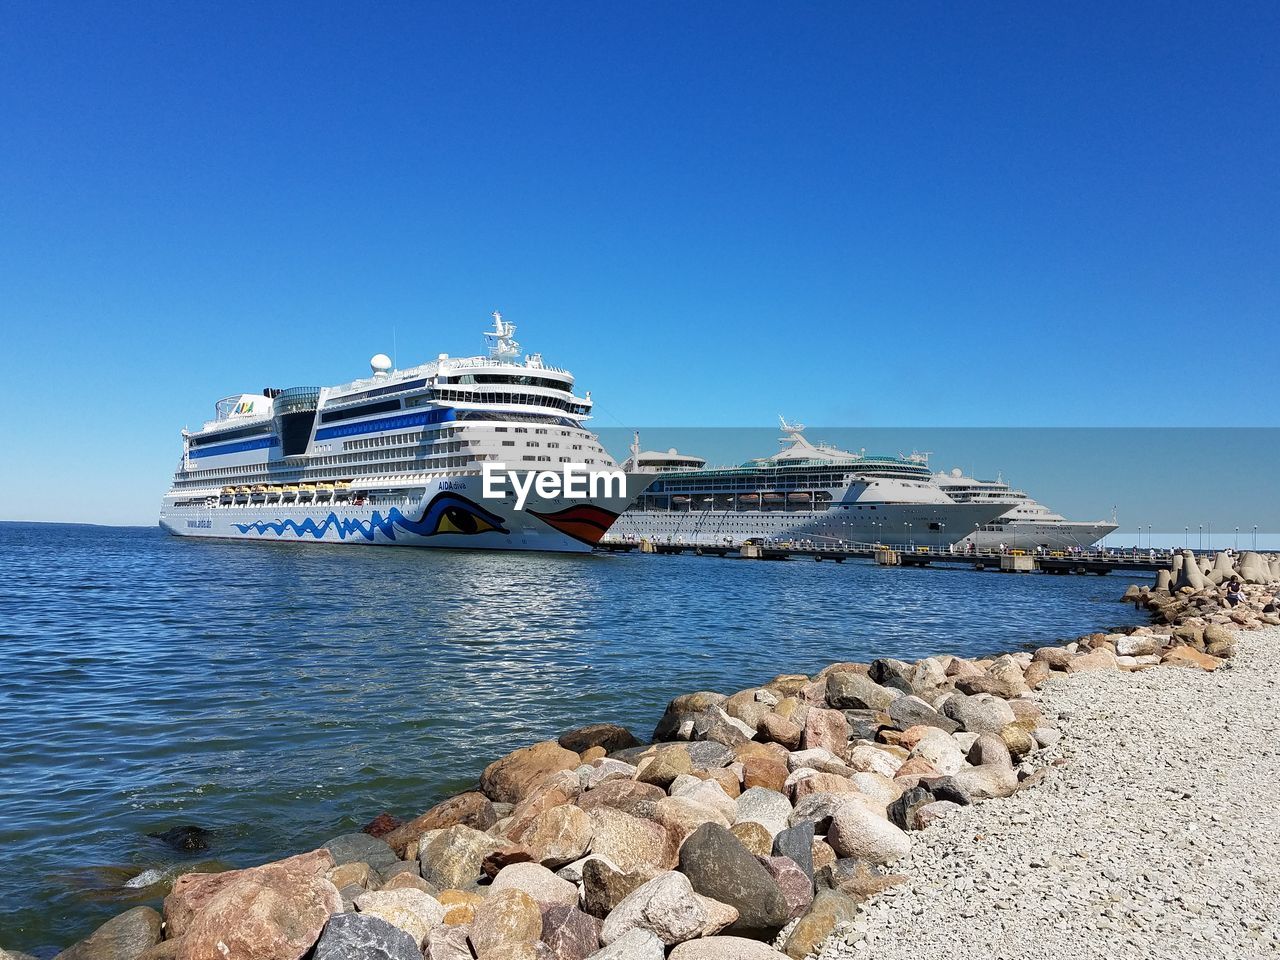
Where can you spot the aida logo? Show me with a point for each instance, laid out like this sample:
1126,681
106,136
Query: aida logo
244,406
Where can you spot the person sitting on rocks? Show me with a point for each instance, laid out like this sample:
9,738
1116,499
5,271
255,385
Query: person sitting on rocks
1235,592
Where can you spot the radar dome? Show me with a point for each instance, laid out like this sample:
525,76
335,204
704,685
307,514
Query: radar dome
381,365
955,472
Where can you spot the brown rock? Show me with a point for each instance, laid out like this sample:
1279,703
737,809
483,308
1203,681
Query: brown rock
796,887
569,933
1099,659
452,857
381,825
916,767
1018,739
827,729
558,836
123,937
608,736
504,918
557,790
1036,674
1056,657
778,729
629,842
823,855
495,861
469,809
663,766
273,912
829,909
1191,657
459,906
821,783
624,795
594,753
510,779
193,892
754,836
603,888
764,772
410,881
350,874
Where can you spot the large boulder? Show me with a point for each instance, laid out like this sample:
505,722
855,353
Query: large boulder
630,842
412,911
504,919
361,848
764,806
677,720
362,936
469,809
511,778
192,893
538,882
569,933
624,795
557,836
123,937
273,912
796,843
847,690
720,867
604,886
636,944
609,736
667,906
857,832
829,909
982,713
452,858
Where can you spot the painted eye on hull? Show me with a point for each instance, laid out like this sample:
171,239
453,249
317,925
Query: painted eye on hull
449,513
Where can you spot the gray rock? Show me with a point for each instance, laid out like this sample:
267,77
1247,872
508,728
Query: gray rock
122,937
361,848
857,691
797,843
635,944
910,712
667,905
902,811
361,936
569,933
981,713
764,806
709,755
720,867
893,673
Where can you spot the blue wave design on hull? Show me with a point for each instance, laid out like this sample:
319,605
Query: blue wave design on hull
447,513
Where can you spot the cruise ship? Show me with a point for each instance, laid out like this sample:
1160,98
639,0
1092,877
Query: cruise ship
401,458
1025,524
804,492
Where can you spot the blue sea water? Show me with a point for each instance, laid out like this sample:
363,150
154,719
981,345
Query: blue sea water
279,694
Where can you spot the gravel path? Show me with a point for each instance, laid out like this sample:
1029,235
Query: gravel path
1158,835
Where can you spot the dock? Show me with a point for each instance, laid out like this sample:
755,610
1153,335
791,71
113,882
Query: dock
1098,562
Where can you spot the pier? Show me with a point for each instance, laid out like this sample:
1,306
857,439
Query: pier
1099,562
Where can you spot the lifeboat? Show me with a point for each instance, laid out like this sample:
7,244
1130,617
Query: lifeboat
680,499
342,484
289,491
798,497
750,498
773,498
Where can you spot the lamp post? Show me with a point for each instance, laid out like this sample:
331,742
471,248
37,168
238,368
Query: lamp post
1150,545
1235,544
1186,536
1201,547
1255,536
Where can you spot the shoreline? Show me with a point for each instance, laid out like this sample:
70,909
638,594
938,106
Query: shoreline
807,791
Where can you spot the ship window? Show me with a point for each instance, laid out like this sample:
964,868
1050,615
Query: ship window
382,406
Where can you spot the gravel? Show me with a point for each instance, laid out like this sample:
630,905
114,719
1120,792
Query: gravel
1154,833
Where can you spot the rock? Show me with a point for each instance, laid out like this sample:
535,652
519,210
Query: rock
796,843
978,714
559,788
1138,645
604,887
826,729
511,778
503,918
764,806
624,795
1098,659
907,712
857,691
817,758
558,836
990,748
351,874
903,810
754,836
569,933
187,839
796,885
805,782
192,893
381,825
829,909
866,758
984,782
362,936
495,860
855,879
666,905
1190,657
459,907
452,857
767,772
123,937
877,788
662,767
927,813
631,843
361,848
539,883
610,736
635,944
468,809
725,948
856,832
412,911
1036,674
721,868
715,724
449,943
606,768
1056,657
680,816
682,710
1018,739
780,730
709,793
272,912
940,751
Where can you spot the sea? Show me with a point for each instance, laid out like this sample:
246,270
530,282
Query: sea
277,695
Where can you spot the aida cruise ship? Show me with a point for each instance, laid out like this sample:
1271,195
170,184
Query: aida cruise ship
398,458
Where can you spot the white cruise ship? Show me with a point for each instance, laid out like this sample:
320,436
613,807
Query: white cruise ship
399,458
803,492
1025,524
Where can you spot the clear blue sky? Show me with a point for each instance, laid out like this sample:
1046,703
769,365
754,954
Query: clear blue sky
712,213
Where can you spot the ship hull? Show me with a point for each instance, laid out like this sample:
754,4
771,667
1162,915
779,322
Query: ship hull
917,524
1030,534
448,513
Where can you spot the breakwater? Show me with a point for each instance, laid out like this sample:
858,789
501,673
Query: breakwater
776,809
